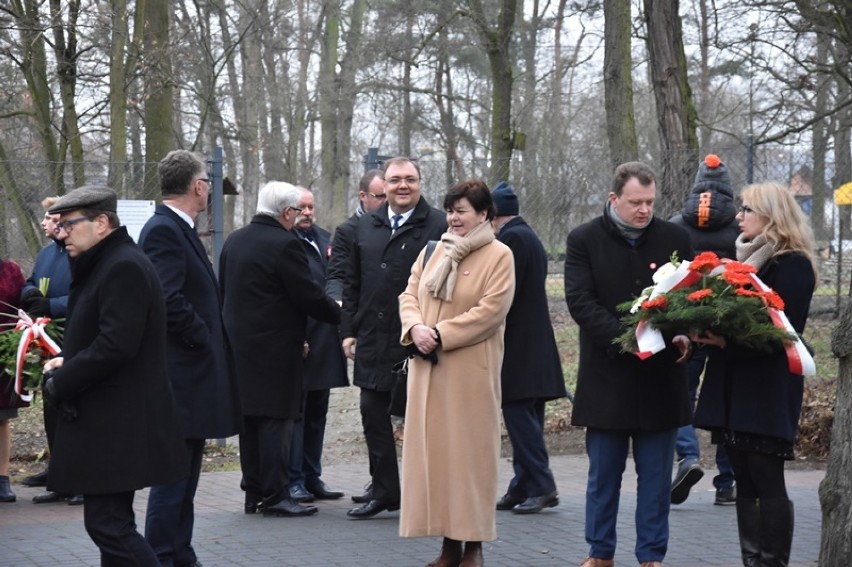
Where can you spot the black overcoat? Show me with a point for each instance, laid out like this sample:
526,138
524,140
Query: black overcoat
341,251
753,391
379,267
617,390
269,293
325,366
531,366
201,367
126,435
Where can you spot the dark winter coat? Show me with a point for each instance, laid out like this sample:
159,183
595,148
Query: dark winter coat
709,216
269,294
617,390
752,391
201,368
531,366
325,366
52,262
379,268
341,251
126,435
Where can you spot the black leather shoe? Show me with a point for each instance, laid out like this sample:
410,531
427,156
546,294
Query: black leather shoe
688,473
536,504
366,496
75,500
288,507
36,480
48,498
251,504
299,494
507,502
319,489
372,508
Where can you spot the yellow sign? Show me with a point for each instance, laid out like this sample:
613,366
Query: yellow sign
843,194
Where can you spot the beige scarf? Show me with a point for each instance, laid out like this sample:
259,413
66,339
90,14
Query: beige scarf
755,252
456,248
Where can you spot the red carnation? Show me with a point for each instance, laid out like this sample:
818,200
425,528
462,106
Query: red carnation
739,267
699,295
773,300
659,302
704,262
736,278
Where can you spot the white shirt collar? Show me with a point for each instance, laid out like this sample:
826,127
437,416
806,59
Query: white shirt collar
182,215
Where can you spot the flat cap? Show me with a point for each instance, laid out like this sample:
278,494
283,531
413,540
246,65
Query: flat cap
97,197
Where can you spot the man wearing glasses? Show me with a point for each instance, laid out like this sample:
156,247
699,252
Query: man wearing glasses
118,430
269,294
199,360
386,244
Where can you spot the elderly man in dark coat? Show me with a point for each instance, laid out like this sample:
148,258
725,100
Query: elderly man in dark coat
269,294
386,243
118,430
532,372
199,357
621,399
325,368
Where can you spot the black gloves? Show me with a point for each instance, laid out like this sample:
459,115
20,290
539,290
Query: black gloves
66,408
34,303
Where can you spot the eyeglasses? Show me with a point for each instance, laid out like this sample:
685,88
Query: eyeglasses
746,209
295,209
204,179
377,197
396,181
68,225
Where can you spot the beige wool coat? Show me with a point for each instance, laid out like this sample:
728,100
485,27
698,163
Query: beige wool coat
451,446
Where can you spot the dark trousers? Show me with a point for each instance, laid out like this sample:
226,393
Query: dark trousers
524,421
264,458
308,437
653,452
171,513
378,431
110,522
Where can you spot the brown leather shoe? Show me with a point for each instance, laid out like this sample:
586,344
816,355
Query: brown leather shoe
597,562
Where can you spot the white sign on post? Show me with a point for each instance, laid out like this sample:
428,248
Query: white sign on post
134,214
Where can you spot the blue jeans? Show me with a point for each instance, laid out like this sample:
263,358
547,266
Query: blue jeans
687,442
652,453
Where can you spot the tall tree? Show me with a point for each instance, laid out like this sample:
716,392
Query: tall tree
676,117
618,83
496,41
159,85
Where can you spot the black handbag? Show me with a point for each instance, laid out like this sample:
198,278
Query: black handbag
399,392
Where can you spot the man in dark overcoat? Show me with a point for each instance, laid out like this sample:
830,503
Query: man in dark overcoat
371,196
387,242
269,294
198,354
118,430
325,368
621,399
532,371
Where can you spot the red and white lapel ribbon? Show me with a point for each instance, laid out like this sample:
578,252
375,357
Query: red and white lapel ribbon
32,331
650,340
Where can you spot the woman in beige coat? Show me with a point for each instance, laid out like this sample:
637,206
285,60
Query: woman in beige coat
455,307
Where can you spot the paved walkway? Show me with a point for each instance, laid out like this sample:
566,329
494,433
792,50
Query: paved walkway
701,533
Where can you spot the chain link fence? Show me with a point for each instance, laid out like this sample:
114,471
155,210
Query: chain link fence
555,196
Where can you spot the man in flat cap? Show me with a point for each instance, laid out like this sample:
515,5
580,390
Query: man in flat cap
118,429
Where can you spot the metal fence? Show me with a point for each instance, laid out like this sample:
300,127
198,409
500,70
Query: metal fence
555,197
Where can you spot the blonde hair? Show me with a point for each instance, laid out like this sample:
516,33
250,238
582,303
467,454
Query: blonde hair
48,202
788,229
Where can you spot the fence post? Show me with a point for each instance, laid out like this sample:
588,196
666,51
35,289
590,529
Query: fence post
218,228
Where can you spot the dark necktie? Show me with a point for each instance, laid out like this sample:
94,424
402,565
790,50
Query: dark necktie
395,225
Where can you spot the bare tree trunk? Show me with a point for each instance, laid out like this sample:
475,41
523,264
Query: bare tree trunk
496,43
247,112
159,115
676,118
618,83
835,490
819,144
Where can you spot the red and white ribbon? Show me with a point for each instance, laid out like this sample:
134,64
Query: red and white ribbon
32,331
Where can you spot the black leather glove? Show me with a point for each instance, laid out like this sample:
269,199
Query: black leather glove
66,408
37,306
30,293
